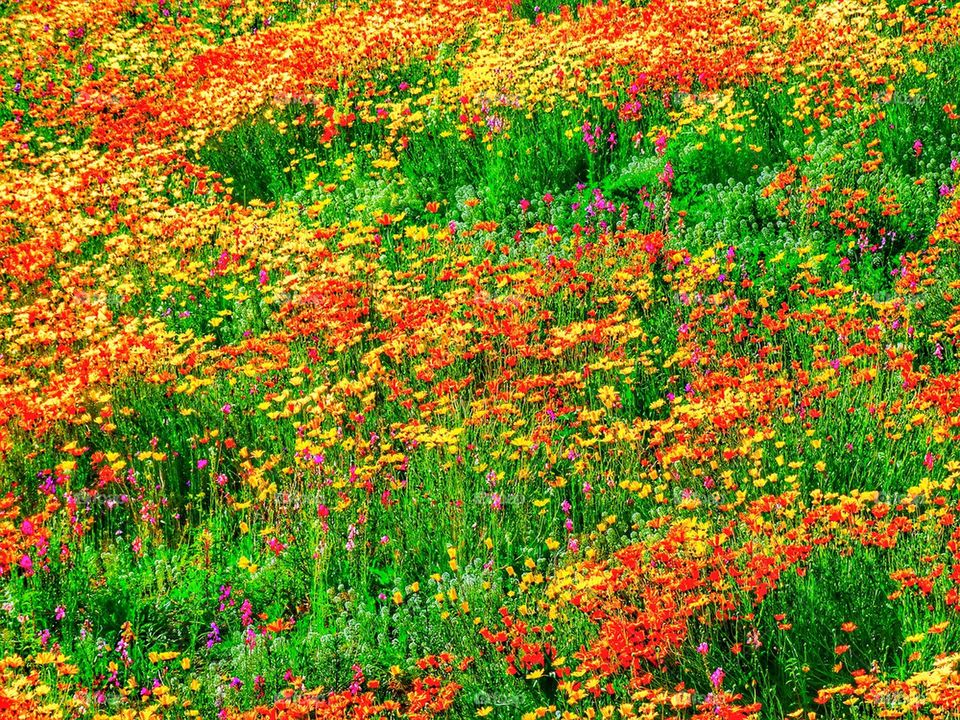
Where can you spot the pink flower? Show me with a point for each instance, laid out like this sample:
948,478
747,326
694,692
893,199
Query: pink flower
660,144
524,205
666,177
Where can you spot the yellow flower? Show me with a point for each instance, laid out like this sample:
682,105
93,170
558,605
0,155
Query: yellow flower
609,397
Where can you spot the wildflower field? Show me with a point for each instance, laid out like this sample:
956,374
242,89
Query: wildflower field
417,359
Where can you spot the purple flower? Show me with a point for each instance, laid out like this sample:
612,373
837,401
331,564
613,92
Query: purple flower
225,598
226,409
717,677
702,648
213,637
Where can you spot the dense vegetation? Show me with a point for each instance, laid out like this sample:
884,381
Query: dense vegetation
447,358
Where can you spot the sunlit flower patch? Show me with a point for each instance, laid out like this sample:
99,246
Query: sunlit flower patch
456,359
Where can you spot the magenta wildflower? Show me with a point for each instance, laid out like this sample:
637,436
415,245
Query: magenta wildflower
213,637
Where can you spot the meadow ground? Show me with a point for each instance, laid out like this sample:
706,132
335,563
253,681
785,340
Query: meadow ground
451,358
